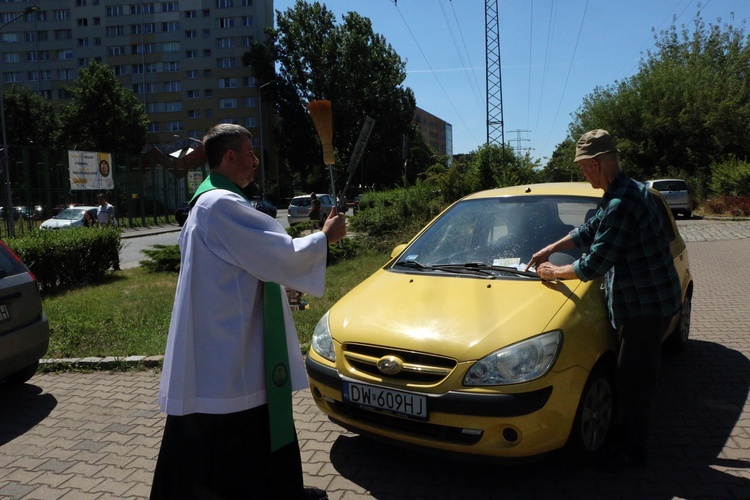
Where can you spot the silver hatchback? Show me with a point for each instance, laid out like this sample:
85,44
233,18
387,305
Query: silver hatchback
299,208
24,328
676,192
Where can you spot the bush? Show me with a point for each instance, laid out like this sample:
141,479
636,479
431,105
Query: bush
69,257
162,259
736,206
731,178
389,218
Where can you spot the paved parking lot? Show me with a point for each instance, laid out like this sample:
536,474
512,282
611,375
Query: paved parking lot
96,435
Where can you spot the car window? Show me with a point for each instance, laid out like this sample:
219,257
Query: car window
302,201
9,265
670,186
70,214
499,231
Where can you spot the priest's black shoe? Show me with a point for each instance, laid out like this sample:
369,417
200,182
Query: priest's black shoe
314,494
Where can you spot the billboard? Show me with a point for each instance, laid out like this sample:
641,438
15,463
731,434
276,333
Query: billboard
90,170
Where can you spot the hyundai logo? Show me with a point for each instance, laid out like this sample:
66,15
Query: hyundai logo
390,365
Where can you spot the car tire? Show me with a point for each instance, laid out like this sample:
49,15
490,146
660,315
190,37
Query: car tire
678,339
594,417
22,376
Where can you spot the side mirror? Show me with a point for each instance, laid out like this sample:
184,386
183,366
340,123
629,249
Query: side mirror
397,251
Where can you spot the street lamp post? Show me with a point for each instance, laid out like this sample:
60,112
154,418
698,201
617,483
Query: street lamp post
6,158
262,155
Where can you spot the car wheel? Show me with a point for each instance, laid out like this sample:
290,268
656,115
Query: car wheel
678,339
22,376
594,416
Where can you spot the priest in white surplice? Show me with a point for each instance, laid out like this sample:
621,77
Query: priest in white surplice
217,440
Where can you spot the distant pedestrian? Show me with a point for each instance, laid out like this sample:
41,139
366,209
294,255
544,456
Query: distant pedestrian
315,210
342,203
105,213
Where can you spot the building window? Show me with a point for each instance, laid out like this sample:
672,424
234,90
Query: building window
193,94
170,6
226,22
170,66
120,70
191,14
247,20
225,43
83,62
224,4
225,62
250,102
80,3
194,114
97,41
114,10
116,50
61,14
170,47
46,75
227,103
63,34
83,42
153,127
65,54
137,69
174,126
248,81
191,34
11,57
170,26
32,76
250,122
227,83
152,68
146,8
65,74
82,22
172,86
247,41
172,107
191,54
246,3
208,93
115,30
151,88
191,74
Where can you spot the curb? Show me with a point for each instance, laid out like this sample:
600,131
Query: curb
107,363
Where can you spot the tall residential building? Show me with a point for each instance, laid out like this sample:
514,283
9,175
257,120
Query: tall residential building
436,132
182,58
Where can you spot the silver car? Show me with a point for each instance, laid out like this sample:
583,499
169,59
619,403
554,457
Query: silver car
24,328
299,207
675,191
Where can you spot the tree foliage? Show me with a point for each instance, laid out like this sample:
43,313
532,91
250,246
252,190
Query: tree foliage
31,118
102,115
688,106
354,68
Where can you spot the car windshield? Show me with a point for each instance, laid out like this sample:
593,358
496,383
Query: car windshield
480,236
70,214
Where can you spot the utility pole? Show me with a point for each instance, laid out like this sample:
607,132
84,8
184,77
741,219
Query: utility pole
518,140
494,82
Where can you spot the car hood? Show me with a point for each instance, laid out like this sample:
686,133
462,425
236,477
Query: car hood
459,317
56,223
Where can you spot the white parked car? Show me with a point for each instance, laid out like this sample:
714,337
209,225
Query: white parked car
70,217
676,192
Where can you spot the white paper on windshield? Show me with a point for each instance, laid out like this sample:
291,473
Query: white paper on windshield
508,262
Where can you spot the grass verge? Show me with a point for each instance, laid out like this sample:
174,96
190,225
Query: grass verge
128,314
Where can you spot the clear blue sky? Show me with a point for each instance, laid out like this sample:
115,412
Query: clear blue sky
553,53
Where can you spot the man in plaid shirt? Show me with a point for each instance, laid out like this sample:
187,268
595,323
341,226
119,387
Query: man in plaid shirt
628,245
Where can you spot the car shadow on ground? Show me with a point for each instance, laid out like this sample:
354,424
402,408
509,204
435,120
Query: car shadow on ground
702,393
21,408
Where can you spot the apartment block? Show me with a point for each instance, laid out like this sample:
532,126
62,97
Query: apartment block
183,58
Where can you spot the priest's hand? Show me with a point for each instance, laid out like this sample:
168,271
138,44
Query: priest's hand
335,227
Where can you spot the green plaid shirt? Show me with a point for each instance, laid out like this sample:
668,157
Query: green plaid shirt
629,246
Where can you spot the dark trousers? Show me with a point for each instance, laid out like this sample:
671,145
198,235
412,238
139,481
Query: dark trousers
638,372
225,457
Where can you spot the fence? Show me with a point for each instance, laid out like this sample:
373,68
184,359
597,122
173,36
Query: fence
147,187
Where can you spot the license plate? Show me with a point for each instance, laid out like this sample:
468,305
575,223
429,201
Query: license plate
4,313
386,400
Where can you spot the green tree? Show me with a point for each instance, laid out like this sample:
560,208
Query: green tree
688,107
354,68
32,120
102,115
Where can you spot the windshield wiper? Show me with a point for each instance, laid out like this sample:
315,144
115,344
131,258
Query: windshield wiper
446,268
508,269
412,264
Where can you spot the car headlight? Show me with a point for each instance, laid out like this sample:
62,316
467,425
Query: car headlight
322,341
517,363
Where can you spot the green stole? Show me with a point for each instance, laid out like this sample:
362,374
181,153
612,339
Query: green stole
278,379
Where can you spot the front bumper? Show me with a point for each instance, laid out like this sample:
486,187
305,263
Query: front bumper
510,424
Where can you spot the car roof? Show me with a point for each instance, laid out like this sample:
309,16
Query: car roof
545,189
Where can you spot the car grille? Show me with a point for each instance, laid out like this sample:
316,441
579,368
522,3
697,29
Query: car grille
418,368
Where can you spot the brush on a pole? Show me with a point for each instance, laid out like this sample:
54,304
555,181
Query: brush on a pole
320,111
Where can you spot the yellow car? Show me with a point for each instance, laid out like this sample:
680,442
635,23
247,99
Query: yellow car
453,346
